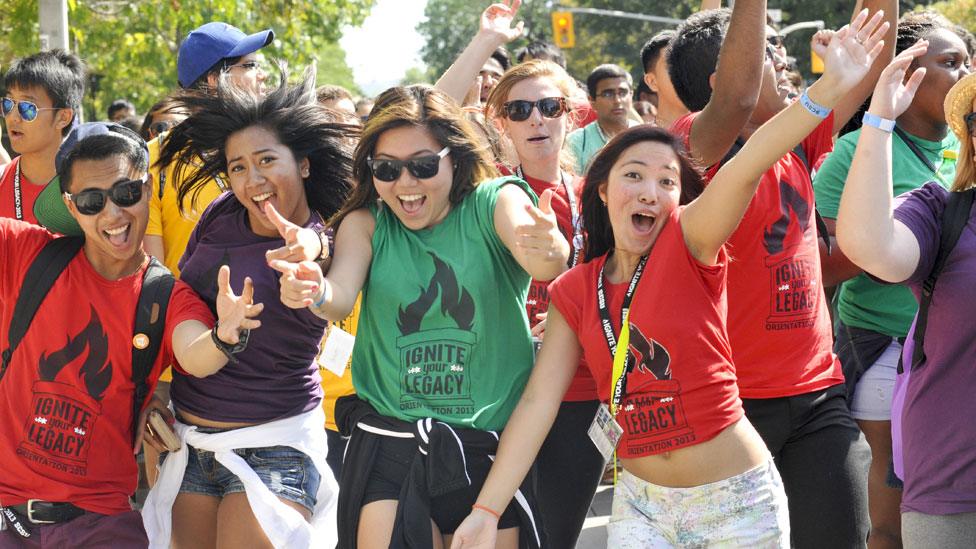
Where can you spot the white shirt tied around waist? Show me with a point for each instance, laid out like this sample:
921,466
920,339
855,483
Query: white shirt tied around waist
283,525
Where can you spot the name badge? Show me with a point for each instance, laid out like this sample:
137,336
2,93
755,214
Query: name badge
337,350
605,432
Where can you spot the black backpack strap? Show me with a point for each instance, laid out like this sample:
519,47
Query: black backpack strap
954,220
41,274
157,285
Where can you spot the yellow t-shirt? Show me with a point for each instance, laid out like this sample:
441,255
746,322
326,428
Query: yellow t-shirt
334,386
165,219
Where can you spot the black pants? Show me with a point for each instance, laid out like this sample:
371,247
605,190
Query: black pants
570,468
824,460
337,448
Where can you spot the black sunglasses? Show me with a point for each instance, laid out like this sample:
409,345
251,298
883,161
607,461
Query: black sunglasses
124,194
549,107
971,123
157,128
421,167
775,40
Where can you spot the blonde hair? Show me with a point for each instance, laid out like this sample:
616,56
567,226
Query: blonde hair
965,166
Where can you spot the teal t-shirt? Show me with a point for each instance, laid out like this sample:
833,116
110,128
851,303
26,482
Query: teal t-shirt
442,331
862,302
584,143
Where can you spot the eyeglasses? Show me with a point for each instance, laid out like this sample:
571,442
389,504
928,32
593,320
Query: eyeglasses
775,40
421,167
28,111
521,109
247,66
619,93
157,128
124,194
971,123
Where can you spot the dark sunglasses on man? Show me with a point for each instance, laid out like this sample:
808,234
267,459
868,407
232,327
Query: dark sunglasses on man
521,109
124,193
421,167
28,111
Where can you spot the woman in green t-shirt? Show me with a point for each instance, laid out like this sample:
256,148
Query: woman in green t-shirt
443,257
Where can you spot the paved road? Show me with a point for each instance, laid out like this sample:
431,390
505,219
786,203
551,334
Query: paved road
594,535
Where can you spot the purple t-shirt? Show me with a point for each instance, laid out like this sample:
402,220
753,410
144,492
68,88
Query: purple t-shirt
938,426
276,376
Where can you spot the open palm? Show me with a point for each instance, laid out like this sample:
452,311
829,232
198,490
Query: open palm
852,50
497,19
235,312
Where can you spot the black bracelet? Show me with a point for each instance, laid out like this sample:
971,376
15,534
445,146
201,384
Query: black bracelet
228,349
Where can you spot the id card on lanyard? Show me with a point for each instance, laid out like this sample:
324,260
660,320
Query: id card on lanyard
605,432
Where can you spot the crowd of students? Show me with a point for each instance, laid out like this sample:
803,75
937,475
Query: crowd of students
439,317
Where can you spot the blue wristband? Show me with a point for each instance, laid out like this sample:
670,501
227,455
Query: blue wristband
876,121
321,300
814,108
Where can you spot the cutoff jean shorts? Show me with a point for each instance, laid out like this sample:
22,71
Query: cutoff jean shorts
747,510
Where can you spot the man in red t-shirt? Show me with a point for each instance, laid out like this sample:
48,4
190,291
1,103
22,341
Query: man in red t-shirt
66,395
43,93
779,327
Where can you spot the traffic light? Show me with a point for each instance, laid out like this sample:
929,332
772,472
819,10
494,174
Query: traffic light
562,29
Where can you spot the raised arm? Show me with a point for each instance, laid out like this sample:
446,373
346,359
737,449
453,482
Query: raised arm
866,228
530,233
525,431
735,84
709,220
496,30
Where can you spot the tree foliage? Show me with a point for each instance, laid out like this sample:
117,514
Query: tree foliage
962,12
130,46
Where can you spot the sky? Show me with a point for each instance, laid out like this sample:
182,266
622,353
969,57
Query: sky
386,45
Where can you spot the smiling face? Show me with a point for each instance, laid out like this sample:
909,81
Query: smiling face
641,192
262,169
113,236
775,89
418,203
537,138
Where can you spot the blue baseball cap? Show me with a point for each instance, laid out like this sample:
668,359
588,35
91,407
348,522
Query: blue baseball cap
49,209
208,44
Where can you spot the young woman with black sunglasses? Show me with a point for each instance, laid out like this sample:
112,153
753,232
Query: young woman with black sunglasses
443,256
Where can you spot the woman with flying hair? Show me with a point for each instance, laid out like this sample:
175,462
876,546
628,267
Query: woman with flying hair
443,255
253,473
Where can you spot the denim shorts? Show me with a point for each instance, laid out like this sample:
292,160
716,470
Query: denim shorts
288,473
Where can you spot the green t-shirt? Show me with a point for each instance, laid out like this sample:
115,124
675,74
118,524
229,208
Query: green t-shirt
442,331
862,302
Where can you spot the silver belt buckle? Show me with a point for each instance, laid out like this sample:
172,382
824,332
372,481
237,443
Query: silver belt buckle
30,512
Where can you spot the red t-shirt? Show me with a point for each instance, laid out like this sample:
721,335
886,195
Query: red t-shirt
779,324
66,398
583,387
681,389
28,193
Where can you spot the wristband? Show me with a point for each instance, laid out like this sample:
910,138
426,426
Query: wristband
876,121
813,108
320,301
327,243
488,510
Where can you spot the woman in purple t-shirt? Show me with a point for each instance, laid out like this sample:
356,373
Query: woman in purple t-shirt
897,240
281,155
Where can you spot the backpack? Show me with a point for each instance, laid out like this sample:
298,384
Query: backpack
157,285
954,220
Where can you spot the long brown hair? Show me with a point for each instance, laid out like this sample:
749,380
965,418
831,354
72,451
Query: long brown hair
424,107
596,219
965,166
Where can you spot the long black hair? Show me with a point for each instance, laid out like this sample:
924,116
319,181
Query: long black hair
596,219
291,113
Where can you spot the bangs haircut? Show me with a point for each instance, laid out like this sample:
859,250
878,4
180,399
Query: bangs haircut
420,106
289,112
99,147
693,55
59,73
596,218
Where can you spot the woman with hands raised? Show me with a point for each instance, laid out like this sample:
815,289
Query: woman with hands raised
254,472
904,240
443,255
695,470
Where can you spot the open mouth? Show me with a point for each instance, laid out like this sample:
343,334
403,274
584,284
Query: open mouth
118,236
643,222
15,134
258,199
411,203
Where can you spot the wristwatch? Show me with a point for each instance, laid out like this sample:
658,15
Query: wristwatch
228,349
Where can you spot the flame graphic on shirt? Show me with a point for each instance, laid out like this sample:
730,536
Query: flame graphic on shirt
790,200
95,371
456,302
648,356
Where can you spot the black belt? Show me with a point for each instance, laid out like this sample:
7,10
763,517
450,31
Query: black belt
47,512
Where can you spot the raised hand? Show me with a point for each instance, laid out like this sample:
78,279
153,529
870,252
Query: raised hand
853,49
235,312
497,20
301,283
892,94
301,244
541,238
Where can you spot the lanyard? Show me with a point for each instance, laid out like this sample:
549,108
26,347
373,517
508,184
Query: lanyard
618,351
920,155
18,201
577,242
